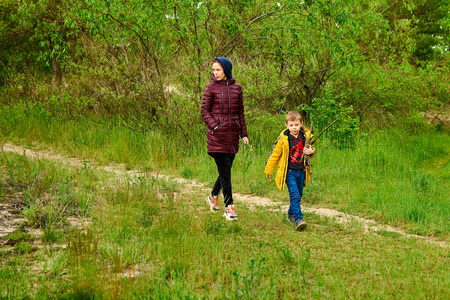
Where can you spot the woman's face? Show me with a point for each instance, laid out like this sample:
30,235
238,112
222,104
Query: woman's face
218,71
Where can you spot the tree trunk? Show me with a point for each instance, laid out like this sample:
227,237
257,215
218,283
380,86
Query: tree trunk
56,72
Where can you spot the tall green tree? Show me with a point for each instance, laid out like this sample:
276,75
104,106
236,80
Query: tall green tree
311,41
16,51
432,30
207,29
51,38
426,21
175,39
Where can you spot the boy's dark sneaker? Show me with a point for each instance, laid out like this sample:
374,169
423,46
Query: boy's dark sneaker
300,224
213,203
230,213
291,218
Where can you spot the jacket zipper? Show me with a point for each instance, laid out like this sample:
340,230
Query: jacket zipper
229,115
222,102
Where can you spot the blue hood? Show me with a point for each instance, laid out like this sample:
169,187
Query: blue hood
226,65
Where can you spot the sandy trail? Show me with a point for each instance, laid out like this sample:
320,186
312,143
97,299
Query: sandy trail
192,185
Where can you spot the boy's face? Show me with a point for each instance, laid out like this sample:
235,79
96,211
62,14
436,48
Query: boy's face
218,71
294,126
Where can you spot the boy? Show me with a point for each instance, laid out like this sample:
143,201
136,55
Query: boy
286,155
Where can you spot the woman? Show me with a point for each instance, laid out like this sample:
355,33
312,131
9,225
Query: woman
223,113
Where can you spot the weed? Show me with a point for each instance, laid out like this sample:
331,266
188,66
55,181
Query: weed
304,264
149,214
82,248
250,285
84,201
23,247
214,225
287,257
249,156
187,172
51,235
18,236
415,215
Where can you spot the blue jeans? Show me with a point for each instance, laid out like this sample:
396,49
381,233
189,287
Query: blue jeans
295,181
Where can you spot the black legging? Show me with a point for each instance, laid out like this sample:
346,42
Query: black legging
224,162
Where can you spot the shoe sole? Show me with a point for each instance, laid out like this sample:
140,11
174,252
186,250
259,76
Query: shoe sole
301,226
211,205
229,218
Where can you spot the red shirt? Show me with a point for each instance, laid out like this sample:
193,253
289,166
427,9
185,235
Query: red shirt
296,145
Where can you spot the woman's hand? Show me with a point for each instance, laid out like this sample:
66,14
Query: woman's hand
245,140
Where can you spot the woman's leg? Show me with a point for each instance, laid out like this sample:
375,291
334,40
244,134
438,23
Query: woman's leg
217,187
224,162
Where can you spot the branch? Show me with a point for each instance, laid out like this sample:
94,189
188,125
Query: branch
238,35
389,7
326,128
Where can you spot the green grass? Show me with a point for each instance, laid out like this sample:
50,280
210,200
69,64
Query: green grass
390,181
395,176
148,239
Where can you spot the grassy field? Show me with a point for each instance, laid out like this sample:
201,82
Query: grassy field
145,238
89,233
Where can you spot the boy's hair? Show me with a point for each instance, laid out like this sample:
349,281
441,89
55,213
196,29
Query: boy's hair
293,116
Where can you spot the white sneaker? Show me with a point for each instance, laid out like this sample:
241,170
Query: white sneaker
213,203
230,213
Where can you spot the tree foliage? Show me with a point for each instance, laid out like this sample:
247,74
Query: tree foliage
138,60
16,49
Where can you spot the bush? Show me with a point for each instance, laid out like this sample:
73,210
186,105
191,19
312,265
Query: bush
383,95
325,110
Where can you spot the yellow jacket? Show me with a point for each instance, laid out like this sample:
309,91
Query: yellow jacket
279,157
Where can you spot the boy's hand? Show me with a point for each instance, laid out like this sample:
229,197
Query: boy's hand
268,175
245,140
308,151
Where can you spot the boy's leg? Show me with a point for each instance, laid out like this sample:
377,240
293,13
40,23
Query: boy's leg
290,214
293,180
224,162
300,185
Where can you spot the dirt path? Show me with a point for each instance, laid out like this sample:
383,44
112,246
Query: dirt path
192,185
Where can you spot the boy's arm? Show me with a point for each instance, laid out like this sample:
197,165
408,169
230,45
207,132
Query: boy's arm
273,158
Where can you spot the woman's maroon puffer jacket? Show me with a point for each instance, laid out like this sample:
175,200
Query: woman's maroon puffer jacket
223,106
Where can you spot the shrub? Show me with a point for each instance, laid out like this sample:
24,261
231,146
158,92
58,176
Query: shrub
325,110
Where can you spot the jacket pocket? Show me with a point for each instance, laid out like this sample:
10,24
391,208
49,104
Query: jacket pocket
218,126
239,124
